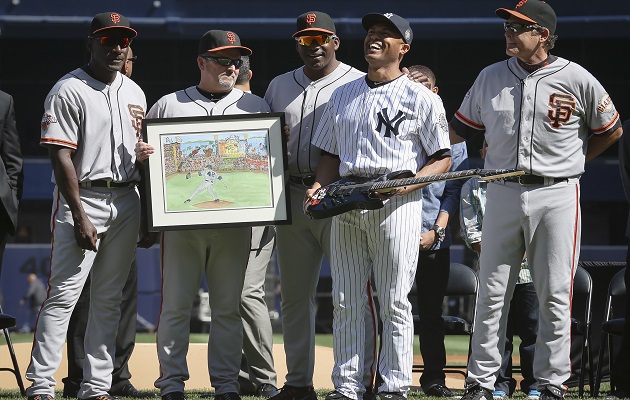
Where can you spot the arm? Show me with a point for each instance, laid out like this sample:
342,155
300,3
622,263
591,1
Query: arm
470,220
598,143
68,185
453,136
327,172
624,162
11,153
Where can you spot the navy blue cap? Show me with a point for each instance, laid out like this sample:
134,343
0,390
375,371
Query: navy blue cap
398,22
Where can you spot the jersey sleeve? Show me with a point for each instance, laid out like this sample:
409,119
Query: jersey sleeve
324,136
434,128
601,114
467,120
61,123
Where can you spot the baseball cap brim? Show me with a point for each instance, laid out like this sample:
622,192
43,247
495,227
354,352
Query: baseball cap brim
245,51
505,14
125,30
314,31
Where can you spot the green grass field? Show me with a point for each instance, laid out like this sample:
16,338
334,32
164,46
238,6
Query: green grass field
244,189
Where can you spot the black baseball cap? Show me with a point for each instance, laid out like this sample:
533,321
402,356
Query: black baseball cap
314,22
398,22
216,40
109,21
534,11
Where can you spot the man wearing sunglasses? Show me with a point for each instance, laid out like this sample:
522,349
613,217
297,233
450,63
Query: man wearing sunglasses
547,116
91,123
222,254
302,94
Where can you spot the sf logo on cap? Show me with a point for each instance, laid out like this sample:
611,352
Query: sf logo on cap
310,18
231,37
115,18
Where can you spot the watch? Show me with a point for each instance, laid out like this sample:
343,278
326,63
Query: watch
439,231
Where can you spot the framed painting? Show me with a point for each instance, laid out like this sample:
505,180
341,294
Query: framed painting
219,171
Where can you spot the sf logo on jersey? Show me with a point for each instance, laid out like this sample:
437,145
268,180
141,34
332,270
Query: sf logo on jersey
391,124
137,114
561,107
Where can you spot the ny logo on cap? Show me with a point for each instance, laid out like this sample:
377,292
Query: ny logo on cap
114,17
388,15
231,37
310,18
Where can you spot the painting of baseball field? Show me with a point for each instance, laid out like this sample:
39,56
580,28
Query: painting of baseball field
236,189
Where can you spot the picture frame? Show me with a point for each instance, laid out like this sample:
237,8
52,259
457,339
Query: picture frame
217,171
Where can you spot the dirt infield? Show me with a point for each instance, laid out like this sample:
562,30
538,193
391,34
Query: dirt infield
144,367
208,205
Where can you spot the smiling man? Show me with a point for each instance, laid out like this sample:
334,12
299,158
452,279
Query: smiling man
546,116
372,126
91,123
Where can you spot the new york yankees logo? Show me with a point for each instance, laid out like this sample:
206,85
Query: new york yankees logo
115,18
231,37
137,114
561,106
391,125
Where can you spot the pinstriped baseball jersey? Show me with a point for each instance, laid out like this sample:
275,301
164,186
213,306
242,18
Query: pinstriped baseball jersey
398,125
549,111
74,117
303,100
190,103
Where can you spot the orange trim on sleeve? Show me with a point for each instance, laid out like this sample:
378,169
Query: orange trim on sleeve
58,142
607,126
468,122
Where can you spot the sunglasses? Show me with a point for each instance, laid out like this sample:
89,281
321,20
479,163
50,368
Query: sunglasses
320,39
133,59
225,61
111,41
516,27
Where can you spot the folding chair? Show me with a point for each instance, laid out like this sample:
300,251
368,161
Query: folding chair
581,323
462,281
612,326
6,322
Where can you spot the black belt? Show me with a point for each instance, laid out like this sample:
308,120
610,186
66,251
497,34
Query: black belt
307,181
534,180
102,183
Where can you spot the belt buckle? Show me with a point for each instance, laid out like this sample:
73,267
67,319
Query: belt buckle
109,184
520,182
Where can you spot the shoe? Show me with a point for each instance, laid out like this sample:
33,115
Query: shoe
102,397
499,395
295,393
439,390
174,396
227,396
186,201
130,391
533,395
551,393
41,397
217,199
335,395
267,390
391,396
476,392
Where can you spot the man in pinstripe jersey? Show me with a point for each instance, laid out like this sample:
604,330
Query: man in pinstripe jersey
373,126
302,94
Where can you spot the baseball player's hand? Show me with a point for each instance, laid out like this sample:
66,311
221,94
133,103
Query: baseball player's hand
85,234
310,192
401,191
426,240
417,77
143,150
287,132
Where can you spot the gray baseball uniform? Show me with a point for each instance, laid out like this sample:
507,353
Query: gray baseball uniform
302,245
375,130
539,122
102,124
221,254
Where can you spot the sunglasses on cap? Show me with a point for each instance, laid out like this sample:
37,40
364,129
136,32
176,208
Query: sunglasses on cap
132,59
112,41
516,27
320,39
225,61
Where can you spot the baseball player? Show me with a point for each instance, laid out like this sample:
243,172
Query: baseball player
221,254
302,94
209,177
537,112
91,123
373,126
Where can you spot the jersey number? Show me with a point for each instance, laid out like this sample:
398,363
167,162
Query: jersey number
561,107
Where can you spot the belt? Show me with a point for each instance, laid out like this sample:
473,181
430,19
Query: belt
534,180
307,181
102,183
